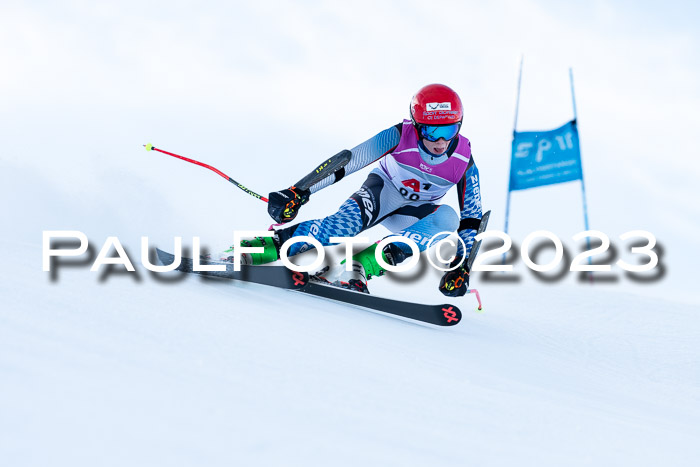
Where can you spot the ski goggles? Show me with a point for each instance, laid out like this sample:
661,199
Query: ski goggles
434,132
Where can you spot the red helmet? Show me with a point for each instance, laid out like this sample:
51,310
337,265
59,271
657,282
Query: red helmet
436,104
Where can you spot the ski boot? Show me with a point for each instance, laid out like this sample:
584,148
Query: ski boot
270,254
354,280
364,267
321,276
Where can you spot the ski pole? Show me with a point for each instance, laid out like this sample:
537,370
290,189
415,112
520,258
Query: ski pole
480,309
150,147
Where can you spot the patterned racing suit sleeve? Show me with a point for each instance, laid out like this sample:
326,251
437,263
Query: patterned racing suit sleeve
469,193
364,154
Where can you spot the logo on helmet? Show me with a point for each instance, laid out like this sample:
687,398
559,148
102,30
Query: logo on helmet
438,106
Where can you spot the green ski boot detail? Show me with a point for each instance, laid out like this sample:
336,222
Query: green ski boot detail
269,255
369,261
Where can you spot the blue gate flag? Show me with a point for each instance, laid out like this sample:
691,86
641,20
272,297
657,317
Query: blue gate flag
541,158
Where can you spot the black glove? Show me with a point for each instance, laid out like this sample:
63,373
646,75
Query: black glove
284,205
455,283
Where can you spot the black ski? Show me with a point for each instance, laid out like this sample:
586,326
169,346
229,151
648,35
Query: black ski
277,276
440,315
280,276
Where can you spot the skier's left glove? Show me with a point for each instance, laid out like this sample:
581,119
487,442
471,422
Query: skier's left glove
455,283
283,206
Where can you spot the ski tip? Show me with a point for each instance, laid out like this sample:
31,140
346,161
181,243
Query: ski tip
149,147
164,257
452,315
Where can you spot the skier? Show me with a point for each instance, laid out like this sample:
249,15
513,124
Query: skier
419,161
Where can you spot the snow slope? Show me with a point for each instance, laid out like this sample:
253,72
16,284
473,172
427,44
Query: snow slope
140,369
120,373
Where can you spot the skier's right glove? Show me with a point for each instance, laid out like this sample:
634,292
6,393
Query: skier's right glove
283,206
455,283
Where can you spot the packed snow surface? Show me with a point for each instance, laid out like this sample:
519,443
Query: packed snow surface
133,369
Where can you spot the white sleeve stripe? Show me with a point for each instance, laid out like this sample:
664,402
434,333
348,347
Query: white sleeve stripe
407,150
454,154
460,157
